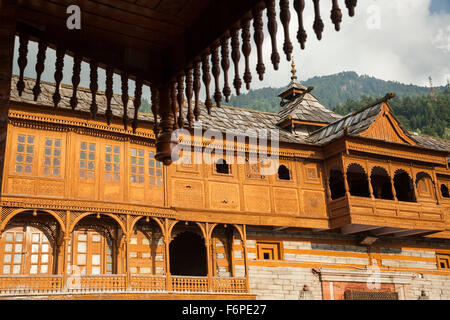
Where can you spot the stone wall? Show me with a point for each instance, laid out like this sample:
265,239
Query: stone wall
318,266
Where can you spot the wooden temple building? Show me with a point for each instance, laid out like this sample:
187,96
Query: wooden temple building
93,206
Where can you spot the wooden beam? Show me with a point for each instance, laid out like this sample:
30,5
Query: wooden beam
414,232
7,37
385,231
355,228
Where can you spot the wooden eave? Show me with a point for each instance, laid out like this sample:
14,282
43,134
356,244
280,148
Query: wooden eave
385,149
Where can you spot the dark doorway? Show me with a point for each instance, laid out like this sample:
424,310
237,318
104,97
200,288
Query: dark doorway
357,181
404,186
381,184
188,255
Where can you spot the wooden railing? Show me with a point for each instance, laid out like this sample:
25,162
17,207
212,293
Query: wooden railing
147,283
17,285
30,284
229,285
189,284
99,283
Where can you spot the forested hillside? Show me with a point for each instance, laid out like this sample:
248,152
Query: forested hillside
346,91
330,90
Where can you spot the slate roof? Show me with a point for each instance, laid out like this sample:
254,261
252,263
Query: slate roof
222,118
307,108
355,122
230,118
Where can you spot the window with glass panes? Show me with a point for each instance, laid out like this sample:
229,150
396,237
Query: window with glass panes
87,161
52,157
112,163
137,166
24,154
154,170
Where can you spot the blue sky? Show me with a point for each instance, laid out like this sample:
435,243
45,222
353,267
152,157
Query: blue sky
440,6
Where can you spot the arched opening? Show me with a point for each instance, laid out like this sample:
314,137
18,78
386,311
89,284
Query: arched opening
222,167
146,248
283,173
444,191
357,181
187,253
424,186
404,186
29,245
337,186
381,184
223,238
95,242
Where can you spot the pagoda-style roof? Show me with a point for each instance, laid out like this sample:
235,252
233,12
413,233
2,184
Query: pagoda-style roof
307,107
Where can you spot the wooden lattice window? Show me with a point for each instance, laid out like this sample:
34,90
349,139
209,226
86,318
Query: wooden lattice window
443,261
52,157
24,154
87,161
137,166
112,163
154,170
268,250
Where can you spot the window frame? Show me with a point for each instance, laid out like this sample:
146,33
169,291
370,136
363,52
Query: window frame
274,247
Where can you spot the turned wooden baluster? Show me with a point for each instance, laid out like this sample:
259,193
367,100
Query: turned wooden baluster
216,72
351,4
59,65
225,66
336,15
22,61
206,80
124,78
94,87
109,93
173,102
42,47
180,98
318,23
196,87
285,17
155,108
189,82
246,50
236,56
75,80
259,39
299,6
137,103
273,28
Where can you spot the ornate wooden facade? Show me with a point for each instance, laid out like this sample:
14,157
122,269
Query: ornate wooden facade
87,206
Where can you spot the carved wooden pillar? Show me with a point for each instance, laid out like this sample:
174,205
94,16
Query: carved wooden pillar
413,183
7,34
167,237
436,187
368,181
327,183
391,177
244,244
126,254
65,265
208,257
344,171
166,140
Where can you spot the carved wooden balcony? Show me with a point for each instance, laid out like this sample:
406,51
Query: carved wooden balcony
29,285
365,214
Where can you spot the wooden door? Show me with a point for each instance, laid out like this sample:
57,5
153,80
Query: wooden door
25,251
93,253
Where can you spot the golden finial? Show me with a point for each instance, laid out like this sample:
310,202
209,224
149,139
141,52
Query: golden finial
293,71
